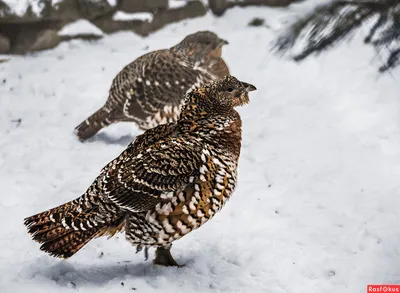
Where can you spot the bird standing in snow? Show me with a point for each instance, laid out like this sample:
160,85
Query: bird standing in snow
169,181
149,90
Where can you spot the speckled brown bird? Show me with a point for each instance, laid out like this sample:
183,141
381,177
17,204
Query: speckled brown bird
149,90
169,181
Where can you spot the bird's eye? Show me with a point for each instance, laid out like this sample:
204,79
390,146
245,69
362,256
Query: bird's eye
230,89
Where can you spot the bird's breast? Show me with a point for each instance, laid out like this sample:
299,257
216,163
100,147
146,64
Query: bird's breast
182,211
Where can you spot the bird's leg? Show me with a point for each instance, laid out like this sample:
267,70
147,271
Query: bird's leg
164,257
146,251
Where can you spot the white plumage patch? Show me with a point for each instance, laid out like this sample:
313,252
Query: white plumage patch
203,169
181,196
192,221
64,224
197,194
206,152
219,179
217,162
192,206
220,187
167,226
167,195
82,227
200,213
151,218
182,227
166,209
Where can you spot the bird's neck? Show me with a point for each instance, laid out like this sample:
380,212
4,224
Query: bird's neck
230,137
186,59
221,128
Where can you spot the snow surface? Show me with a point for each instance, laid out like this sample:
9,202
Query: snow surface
112,2
19,7
124,16
317,203
177,3
80,26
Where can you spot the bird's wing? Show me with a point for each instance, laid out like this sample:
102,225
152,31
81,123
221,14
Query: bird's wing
158,87
136,180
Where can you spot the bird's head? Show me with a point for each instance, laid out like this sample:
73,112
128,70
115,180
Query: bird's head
230,92
217,98
209,112
200,45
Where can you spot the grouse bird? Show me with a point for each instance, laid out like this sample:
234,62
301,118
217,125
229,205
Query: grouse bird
149,90
169,181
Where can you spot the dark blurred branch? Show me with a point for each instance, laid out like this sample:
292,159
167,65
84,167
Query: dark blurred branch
331,23
218,7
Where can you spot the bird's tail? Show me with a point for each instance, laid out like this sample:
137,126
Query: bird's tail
64,230
93,124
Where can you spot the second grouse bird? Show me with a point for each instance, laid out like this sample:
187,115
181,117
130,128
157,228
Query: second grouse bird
171,180
149,90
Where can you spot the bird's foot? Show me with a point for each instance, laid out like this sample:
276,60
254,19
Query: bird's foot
146,251
164,257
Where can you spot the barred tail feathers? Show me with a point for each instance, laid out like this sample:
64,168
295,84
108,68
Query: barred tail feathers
93,124
64,230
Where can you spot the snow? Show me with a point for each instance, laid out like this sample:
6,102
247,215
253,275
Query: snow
316,208
177,3
80,26
112,2
124,16
19,7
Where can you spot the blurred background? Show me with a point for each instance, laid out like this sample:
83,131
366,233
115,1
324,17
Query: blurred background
32,25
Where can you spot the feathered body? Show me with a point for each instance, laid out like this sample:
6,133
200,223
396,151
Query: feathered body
169,181
149,90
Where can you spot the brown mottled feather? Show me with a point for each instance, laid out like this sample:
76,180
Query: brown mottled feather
149,90
169,181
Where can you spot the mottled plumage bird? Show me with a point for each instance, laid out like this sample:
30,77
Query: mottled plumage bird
149,90
169,181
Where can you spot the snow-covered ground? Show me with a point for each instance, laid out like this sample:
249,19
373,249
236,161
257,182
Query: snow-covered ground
318,197
20,7
80,26
124,16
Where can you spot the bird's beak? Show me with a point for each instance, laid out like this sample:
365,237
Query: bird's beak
217,51
243,97
222,42
248,87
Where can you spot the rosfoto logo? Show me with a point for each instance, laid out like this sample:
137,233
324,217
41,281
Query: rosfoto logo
383,288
